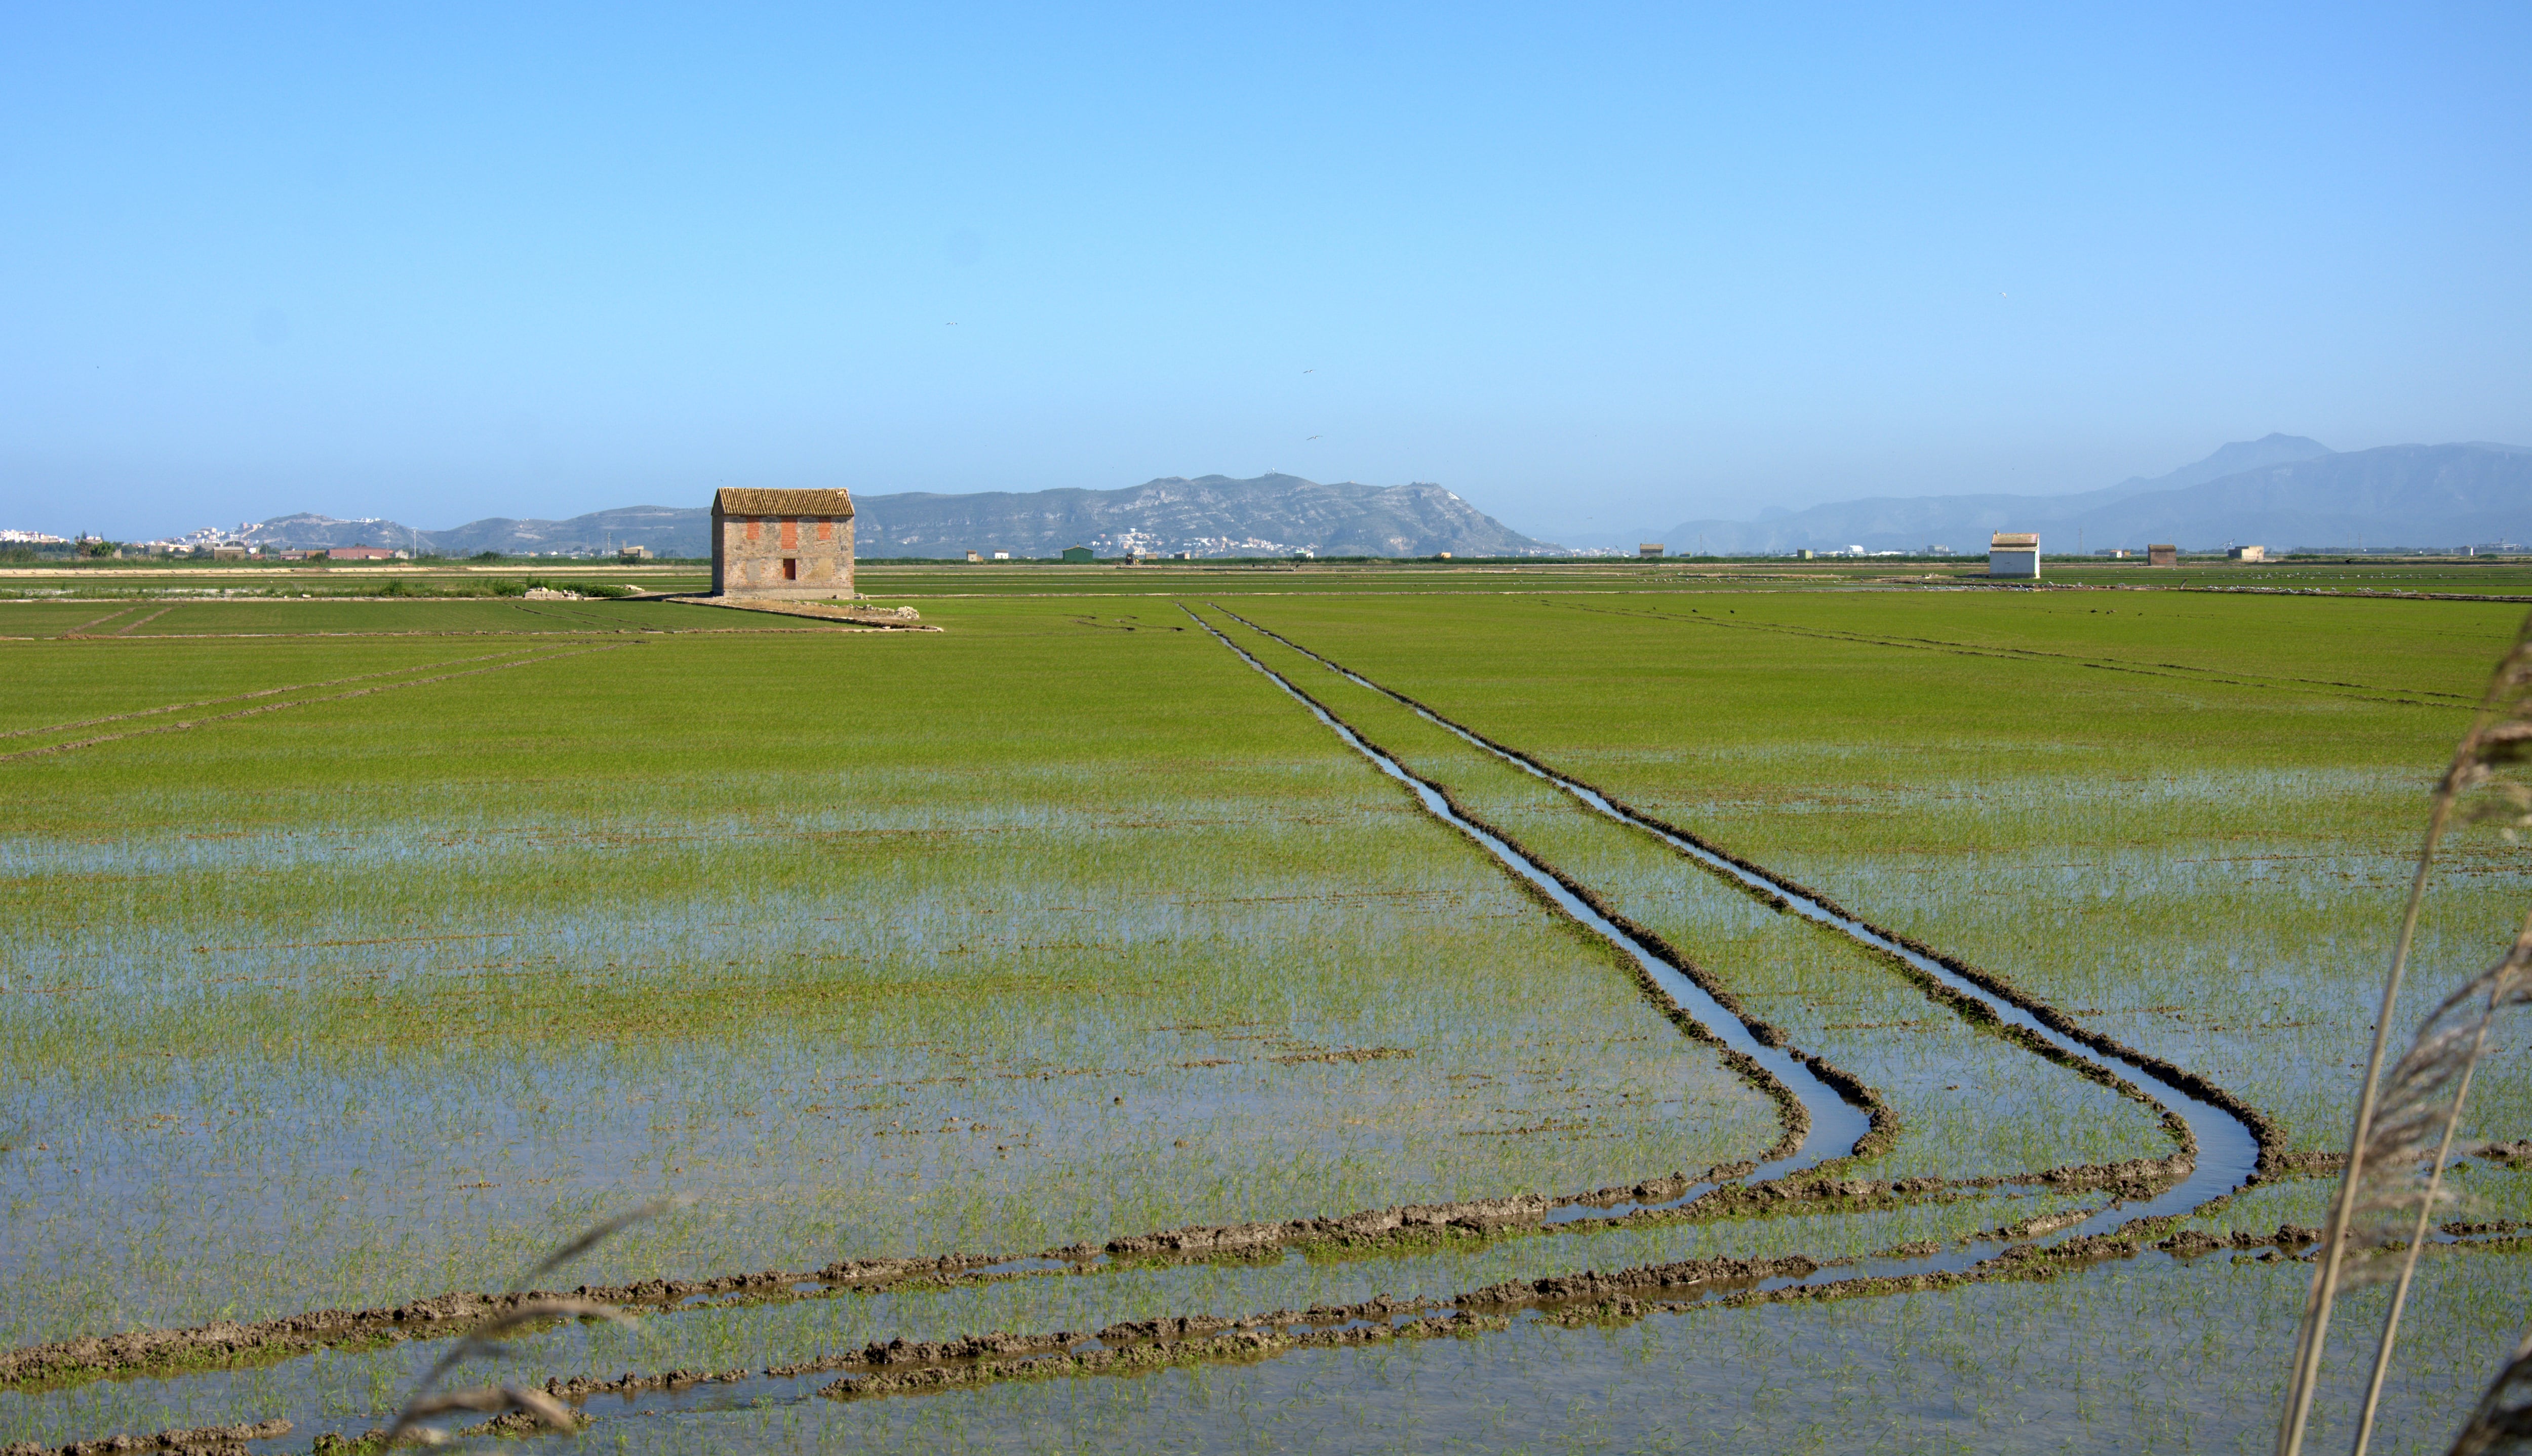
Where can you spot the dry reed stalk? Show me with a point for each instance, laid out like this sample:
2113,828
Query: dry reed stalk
428,1400
2500,736
2425,1096
2503,1421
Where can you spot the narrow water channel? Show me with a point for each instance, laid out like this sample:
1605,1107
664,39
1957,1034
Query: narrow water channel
1836,1125
2228,1151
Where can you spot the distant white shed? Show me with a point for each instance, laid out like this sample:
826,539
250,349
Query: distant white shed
2014,554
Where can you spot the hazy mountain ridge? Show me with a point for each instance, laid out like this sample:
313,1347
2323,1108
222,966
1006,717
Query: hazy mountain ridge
1208,515
2284,492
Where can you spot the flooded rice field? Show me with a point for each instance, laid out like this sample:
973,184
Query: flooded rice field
1227,1023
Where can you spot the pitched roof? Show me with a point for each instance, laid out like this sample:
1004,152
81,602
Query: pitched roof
750,502
2013,540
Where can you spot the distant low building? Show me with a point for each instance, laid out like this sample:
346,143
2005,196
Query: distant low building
228,551
632,553
2014,555
1079,556
975,556
1648,550
2161,555
2248,553
361,553
1002,555
783,544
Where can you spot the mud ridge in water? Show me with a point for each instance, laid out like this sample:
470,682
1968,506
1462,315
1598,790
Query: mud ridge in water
2264,1133
227,1342
903,1368
202,1440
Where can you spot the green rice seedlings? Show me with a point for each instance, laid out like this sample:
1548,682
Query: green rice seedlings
2426,1090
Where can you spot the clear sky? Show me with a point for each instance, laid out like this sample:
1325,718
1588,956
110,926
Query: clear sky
1594,268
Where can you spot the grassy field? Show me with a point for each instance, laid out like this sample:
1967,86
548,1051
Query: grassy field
356,950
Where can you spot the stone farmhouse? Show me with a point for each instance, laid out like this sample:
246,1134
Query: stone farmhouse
792,545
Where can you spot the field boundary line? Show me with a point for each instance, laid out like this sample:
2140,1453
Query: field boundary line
641,631
71,631
126,630
178,708
2353,593
275,707
1626,1295
2175,671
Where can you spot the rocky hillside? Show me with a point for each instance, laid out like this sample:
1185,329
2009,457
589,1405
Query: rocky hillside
1209,515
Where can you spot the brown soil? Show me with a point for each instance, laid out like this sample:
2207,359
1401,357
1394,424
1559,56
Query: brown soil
206,1440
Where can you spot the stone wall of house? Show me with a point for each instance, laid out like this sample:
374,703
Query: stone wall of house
749,554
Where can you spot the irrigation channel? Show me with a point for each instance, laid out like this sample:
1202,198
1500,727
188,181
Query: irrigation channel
2227,1155
2227,1152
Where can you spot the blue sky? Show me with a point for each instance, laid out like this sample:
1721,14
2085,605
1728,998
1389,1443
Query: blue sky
1594,268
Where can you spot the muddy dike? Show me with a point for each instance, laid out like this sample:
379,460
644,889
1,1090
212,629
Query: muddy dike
899,1367
224,1343
913,1368
200,1441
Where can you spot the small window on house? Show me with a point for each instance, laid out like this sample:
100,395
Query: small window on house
790,568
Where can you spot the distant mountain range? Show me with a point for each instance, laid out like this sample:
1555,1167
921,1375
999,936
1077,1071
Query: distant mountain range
1210,516
2283,493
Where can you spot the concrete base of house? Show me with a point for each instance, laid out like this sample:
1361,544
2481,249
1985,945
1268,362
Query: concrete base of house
854,610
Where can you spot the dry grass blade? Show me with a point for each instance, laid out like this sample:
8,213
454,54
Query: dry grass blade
2500,736
483,1340
2428,1092
2421,1103
2503,1421
535,1310
599,1233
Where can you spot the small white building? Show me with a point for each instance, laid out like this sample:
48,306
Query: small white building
2248,553
2015,554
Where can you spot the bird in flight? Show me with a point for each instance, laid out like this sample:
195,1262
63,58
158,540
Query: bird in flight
1313,437
1309,371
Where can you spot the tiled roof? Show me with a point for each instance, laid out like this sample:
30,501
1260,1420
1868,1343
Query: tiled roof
749,502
